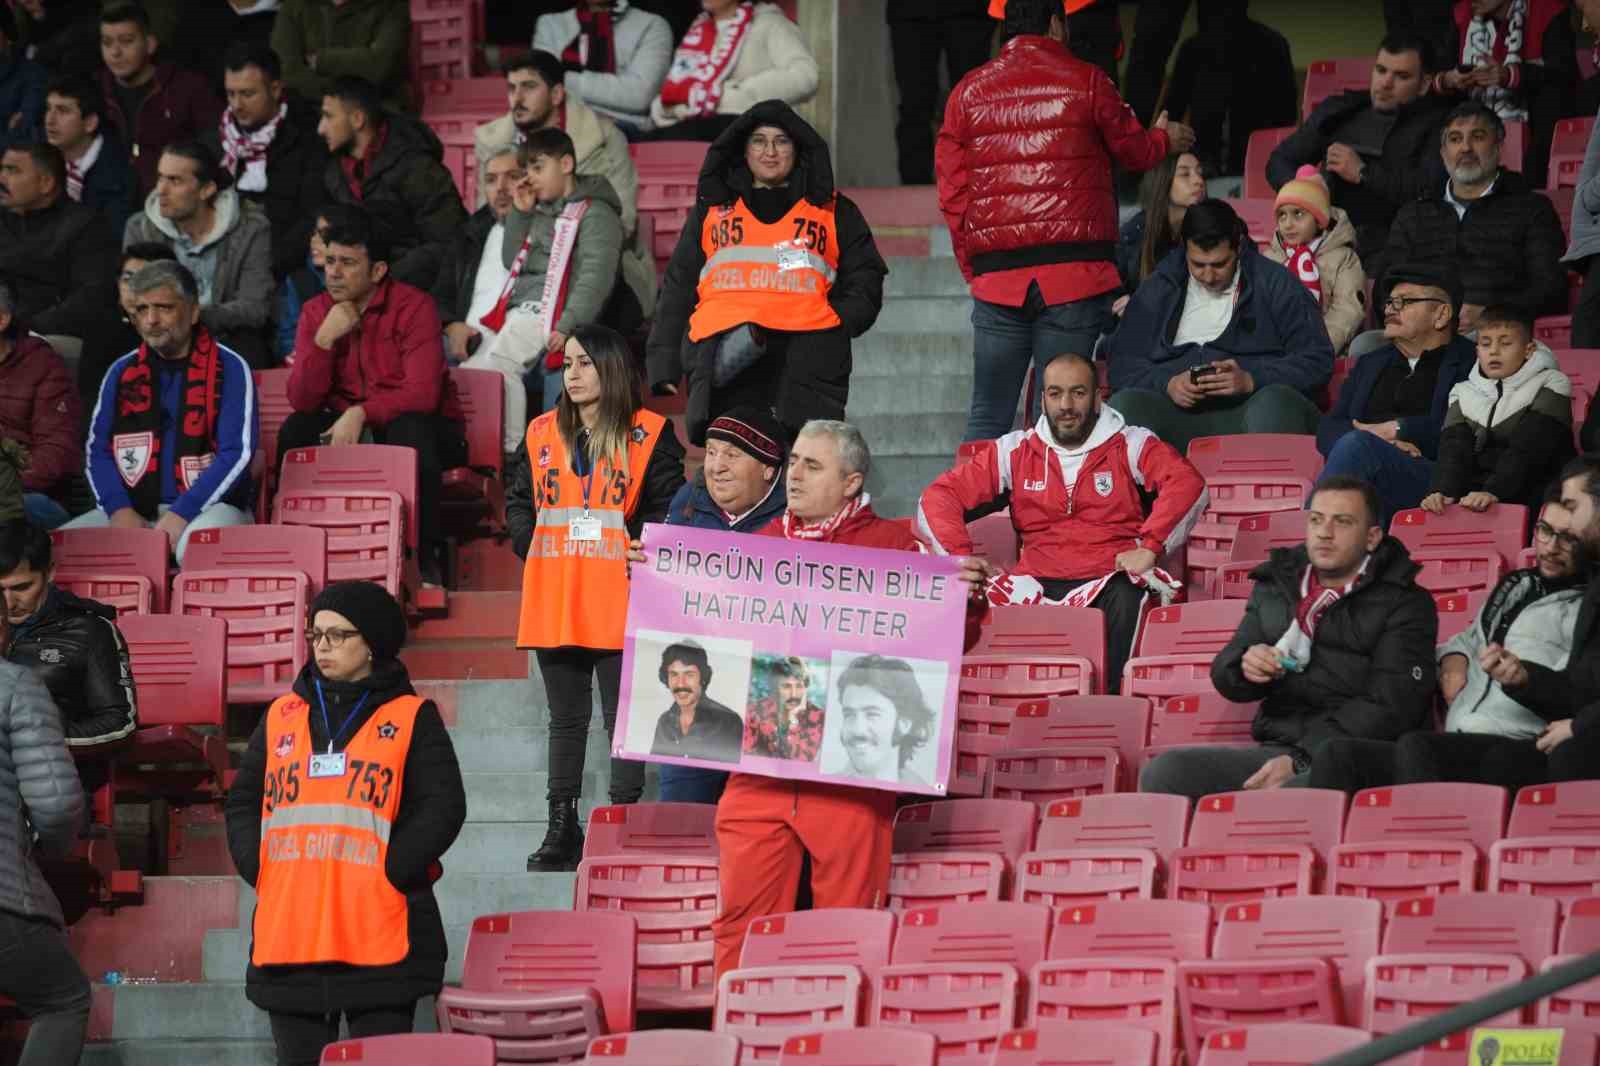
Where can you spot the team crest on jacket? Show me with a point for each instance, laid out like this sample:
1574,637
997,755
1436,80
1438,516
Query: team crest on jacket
50,655
1102,483
285,746
388,731
133,455
544,455
637,434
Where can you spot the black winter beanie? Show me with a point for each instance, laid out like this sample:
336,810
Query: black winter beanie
371,610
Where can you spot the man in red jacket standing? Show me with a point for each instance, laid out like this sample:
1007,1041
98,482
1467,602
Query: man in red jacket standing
369,366
1075,484
39,409
1025,183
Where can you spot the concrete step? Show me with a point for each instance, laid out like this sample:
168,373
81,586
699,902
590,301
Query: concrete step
925,314
929,394
898,432
502,847
525,750
897,481
520,797
184,1052
924,276
897,356
211,1011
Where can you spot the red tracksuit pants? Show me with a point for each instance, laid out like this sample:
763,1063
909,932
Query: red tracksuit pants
765,826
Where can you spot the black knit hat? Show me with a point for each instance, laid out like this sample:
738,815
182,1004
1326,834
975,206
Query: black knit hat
753,431
370,608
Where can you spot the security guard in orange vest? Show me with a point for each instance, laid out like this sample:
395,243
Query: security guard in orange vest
346,798
586,479
775,272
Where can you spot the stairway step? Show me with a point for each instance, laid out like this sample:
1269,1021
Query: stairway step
932,395
184,1052
501,847
210,1011
897,432
924,276
486,615
466,659
897,481
520,797
882,351
925,314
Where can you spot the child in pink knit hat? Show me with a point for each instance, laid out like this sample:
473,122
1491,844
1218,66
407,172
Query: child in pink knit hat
1318,244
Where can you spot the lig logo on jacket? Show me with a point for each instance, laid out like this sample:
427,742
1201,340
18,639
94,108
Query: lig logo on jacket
1033,486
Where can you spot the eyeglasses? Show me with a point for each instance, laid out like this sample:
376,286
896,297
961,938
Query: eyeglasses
780,145
1400,303
1545,533
334,637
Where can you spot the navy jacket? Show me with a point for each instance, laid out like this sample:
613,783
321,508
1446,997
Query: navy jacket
21,93
111,187
1276,333
693,506
1421,430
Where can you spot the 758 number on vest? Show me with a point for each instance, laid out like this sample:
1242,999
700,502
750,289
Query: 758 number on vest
813,233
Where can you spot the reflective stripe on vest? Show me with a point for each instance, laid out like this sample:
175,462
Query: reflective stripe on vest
323,894
575,592
777,275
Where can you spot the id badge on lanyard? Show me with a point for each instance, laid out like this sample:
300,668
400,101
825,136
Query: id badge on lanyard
327,764
792,255
584,527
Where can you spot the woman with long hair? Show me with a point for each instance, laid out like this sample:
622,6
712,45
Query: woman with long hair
587,477
1177,183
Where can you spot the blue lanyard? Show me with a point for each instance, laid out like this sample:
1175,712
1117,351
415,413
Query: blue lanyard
323,703
579,461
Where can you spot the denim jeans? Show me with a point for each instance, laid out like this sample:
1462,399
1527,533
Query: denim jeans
42,511
37,970
1197,772
1401,480
1007,340
691,784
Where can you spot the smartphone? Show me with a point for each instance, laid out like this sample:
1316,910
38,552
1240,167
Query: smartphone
1196,373
326,438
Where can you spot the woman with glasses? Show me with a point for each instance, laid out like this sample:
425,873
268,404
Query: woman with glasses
586,478
346,798
1385,423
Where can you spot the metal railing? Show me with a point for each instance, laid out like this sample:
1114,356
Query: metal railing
1439,1026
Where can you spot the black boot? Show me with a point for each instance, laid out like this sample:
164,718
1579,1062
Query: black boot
563,843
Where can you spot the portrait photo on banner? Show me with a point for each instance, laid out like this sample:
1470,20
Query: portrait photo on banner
883,719
699,682
785,717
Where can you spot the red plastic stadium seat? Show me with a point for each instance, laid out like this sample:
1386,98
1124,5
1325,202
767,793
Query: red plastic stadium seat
837,936
1555,331
1154,928
1567,145
122,568
1404,988
1552,845
413,1049
1054,1043
1577,1048
1580,933
1458,610
442,40
272,407
1561,199
674,899
1280,1043
1201,718
1451,570
1189,629
358,467
544,984
1571,808
178,672
1416,840
482,480
1256,153
1279,960
1254,538
1136,992
1575,1008
995,538
483,98
1043,629
1102,847
1326,77
364,496
653,829
1511,148
1118,722
991,687
1502,529
1581,365
1014,933
764,1006
1258,455
1232,496
1044,775
1259,217
665,1047
1253,845
957,850
1473,922
861,1047
931,878
669,174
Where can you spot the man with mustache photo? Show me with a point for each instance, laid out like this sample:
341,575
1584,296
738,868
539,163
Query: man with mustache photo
695,726
786,724
883,719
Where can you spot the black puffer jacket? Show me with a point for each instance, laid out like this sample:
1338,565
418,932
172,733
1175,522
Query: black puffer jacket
61,262
1508,246
1371,673
815,379
74,646
39,793
433,806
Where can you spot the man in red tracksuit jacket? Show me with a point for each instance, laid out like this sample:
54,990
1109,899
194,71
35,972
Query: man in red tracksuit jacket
766,825
1075,484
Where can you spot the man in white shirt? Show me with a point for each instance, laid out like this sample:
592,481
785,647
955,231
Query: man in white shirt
1219,339
474,272
98,172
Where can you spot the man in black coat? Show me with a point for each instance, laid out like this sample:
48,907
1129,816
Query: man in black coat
267,141
1337,641
800,375
60,257
1376,148
1503,237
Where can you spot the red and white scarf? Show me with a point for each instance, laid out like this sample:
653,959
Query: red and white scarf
595,46
1483,46
249,149
76,172
1009,590
1294,647
1302,263
795,529
704,60
554,295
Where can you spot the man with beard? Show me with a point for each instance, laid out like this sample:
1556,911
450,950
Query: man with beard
785,725
883,720
1567,697
695,726
1504,237
1075,484
474,272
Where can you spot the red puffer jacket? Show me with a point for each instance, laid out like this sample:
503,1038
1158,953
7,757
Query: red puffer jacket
1024,159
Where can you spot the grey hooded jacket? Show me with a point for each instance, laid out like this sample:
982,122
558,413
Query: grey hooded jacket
1541,632
1586,205
41,801
596,257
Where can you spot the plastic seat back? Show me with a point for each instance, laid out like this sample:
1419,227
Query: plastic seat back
1201,718
983,730
1014,933
1044,629
413,1049
1257,454
177,668
1474,922
1010,679
356,468
1057,1043
1134,992
935,878
1256,153
1575,1008
1581,365
1326,77
1570,808
836,936
1119,722
665,1047
1043,776
674,900
1280,1043
265,611
122,568
1580,933
1003,827
1231,497
482,98
652,828
272,407
442,40
871,1046
1310,816
1189,628
365,531
967,1006
764,1006
1502,529
1552,844
482,394
258,548
669,172
1553,331
1257,216
1125,820
1441,810
1257,534
1108,847
995,538
1567,145
1458,610
1153,928
1163,678
1448,570
1401,988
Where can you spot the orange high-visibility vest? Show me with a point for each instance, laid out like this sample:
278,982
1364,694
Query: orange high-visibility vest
776,276
322,895
575,592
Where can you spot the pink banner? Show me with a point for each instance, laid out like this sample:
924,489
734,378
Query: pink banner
809,662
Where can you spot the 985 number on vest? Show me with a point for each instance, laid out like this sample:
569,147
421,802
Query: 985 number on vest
727,232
